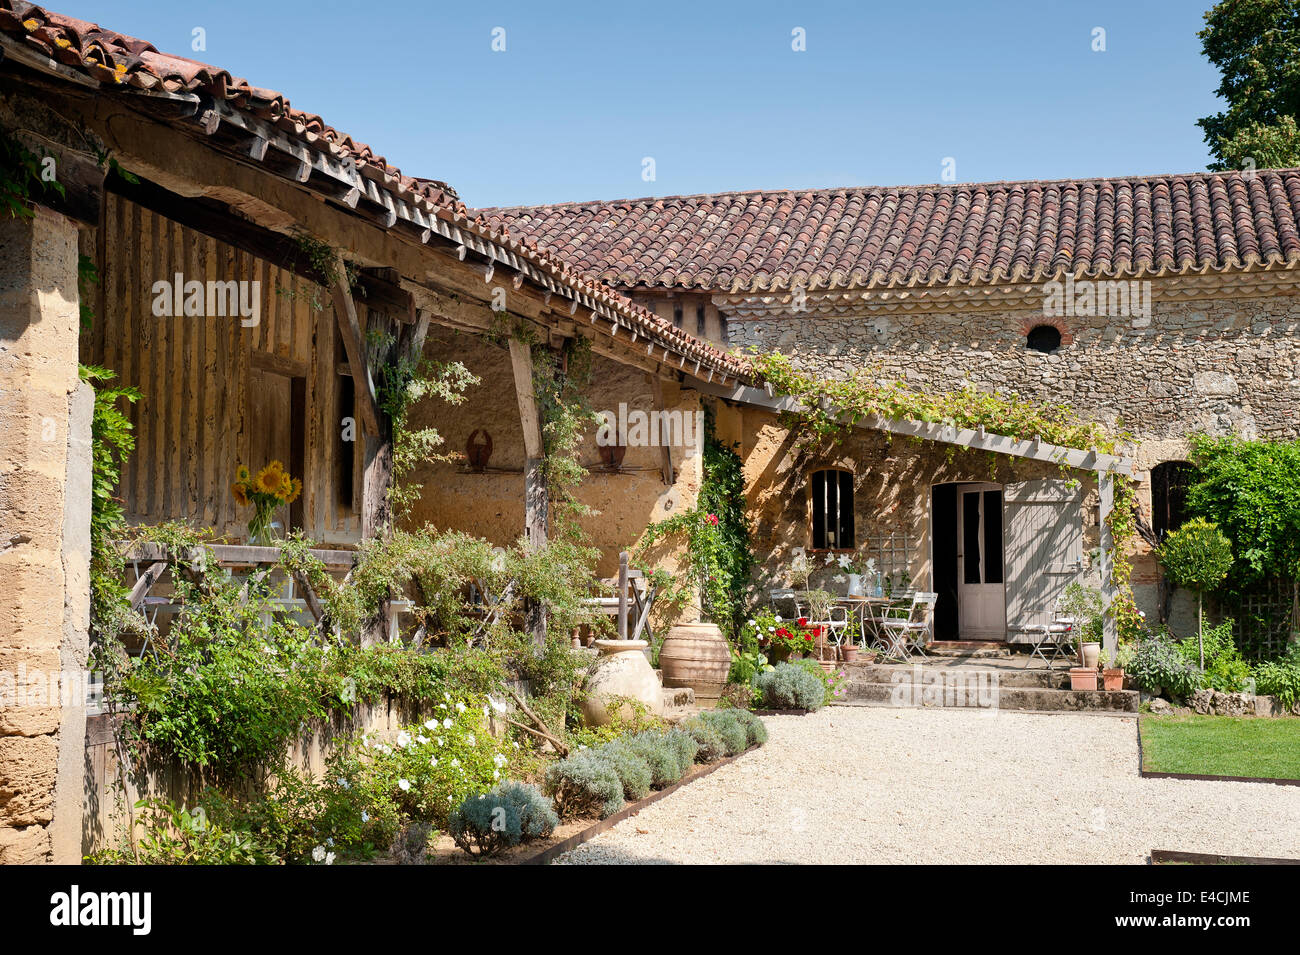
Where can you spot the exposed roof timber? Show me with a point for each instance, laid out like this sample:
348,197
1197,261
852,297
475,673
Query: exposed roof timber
979,440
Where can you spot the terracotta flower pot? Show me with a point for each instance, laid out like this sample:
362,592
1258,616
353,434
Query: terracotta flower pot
1083,678
1112,678
849,653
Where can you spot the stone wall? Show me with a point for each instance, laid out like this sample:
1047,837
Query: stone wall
44,541
1217,365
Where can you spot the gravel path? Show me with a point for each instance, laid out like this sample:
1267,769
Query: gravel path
866,784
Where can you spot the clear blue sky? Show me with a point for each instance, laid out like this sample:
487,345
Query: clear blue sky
714,92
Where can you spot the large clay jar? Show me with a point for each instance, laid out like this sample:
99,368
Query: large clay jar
621,671
696,655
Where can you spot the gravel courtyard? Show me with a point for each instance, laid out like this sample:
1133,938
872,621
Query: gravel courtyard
866,784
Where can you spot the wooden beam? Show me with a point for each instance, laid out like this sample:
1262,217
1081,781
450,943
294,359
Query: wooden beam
536,500
665,450
930,431
1110,632
345,310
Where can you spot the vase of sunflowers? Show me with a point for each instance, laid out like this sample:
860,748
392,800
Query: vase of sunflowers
272,487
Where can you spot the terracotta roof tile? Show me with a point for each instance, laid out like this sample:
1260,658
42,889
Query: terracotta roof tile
927,235
123,62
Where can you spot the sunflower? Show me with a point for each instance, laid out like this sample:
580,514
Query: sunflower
295,488
285,489
240,493
241,474
269,478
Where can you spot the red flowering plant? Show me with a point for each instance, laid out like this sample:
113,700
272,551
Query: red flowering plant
797,636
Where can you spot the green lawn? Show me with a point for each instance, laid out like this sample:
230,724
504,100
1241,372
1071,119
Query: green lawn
1222,746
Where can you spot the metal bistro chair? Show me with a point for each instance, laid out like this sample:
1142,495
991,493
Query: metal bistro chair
904,634
836,624
1058,634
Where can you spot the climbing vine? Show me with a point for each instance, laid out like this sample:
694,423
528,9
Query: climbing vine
829,409
719,555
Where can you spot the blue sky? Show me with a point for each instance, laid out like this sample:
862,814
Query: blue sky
713,92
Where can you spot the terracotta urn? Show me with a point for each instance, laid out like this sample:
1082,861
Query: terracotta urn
621,671
696,655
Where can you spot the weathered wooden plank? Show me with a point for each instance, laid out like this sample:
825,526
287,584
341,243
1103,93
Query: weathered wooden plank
665,450
345,311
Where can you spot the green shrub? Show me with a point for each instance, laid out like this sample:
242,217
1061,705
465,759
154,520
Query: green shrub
1224,668
182,836
1280,678
789,686
684,746
1158,663
506,816
755,728
833,681
735,735
633,769
711,746
585,784
663,758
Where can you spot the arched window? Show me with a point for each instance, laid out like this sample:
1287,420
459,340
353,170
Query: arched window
1043,338
1169,482
832,510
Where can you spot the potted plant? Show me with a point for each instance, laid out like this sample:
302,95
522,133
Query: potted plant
1084,606
1083,678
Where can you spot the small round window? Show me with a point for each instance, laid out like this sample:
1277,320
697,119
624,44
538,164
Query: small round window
1044,338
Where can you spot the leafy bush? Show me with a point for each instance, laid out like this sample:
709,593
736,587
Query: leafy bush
685,747
182,836
790,686
661,755
1158,663
734,734
633,769
1224,668
1280,678
755,728
585,784
833,681
501,818
711,746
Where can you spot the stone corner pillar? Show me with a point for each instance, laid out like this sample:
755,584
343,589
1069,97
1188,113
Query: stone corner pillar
45,413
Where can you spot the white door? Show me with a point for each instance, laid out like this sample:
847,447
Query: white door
981,595
1044,546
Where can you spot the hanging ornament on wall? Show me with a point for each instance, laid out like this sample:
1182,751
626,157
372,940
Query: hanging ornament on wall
478,449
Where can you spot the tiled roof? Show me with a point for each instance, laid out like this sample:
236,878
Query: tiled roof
123,63
962,234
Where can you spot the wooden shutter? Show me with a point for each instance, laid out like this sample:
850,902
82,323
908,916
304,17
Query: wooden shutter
1043,533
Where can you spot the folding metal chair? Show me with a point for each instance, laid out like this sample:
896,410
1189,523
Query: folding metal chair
911,633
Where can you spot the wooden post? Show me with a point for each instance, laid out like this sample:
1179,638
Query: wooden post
1110,632
665,449
535,492
622,594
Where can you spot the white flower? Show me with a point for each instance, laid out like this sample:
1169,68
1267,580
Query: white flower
431,724
433,760
460,707
845,561
329,858
499,760
403,739
403,784
496,774
422,739
455,764
446,724
318,854
830,559
439,740
365,816
446,696
776,617
330,842
515,744
471,740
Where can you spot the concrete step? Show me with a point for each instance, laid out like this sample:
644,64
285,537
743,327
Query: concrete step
912,672
990,696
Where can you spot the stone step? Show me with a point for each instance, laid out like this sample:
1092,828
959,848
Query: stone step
991,696
917,672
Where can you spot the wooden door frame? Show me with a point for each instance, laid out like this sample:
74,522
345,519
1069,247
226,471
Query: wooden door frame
981,487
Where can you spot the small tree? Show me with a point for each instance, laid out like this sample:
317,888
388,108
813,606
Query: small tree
1197,556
